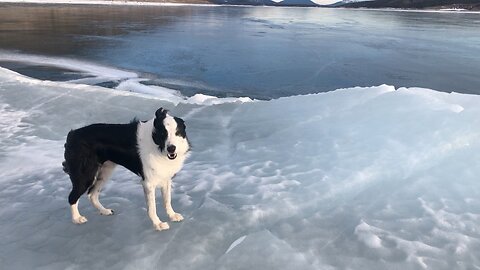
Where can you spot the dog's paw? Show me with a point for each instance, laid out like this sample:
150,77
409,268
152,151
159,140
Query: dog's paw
79,220
161,226
107,212
176,217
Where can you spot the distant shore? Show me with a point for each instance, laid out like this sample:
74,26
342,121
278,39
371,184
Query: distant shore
115,2
446,5
426,10
446,9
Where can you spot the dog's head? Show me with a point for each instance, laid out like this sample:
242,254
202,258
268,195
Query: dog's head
169,133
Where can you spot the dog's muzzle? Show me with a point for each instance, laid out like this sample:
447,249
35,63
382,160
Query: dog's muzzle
171,152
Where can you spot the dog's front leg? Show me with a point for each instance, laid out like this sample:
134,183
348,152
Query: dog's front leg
149,190
167,201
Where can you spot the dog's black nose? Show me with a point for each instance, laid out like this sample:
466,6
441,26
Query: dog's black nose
171,148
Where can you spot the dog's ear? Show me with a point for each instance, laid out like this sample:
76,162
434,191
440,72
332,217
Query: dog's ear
161,113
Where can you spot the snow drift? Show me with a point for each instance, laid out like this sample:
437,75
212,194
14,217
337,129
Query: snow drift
360,178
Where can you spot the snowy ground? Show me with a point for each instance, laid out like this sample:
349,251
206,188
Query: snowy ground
362,178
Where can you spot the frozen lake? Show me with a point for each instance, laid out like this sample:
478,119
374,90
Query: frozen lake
378,177
258,52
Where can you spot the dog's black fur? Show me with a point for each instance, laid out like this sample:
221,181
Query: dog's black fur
89,147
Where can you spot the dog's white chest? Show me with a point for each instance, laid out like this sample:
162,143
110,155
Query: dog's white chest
158,169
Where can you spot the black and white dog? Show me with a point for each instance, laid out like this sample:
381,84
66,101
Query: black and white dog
155,150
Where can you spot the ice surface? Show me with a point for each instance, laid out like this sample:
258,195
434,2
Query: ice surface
67,63
127,81
360,178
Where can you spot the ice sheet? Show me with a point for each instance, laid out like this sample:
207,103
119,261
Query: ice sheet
128,81
68,63
360,178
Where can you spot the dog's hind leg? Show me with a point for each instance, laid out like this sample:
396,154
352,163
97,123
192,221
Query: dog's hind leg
76,217
82,177
104,173
75,194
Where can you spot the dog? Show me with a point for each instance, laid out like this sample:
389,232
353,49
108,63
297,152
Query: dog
155,150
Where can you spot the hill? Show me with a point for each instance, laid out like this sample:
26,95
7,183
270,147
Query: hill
244,2
297,3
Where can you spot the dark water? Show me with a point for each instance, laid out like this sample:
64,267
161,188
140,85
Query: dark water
257,51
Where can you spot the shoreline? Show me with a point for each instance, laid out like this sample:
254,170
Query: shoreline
462,11
107,3
206,4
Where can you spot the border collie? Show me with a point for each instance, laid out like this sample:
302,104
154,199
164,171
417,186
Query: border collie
155,150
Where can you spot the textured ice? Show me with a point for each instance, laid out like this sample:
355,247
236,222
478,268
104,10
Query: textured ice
67,63
360,178
127,81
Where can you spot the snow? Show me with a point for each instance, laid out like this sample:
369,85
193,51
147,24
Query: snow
453,9
359,178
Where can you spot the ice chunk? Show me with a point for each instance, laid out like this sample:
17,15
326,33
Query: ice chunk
135,85
211,100
367,235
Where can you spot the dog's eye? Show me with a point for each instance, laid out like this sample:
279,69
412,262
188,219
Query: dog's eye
180,127
181,132
159,136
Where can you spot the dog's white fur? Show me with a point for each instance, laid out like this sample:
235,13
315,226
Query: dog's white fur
158,170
